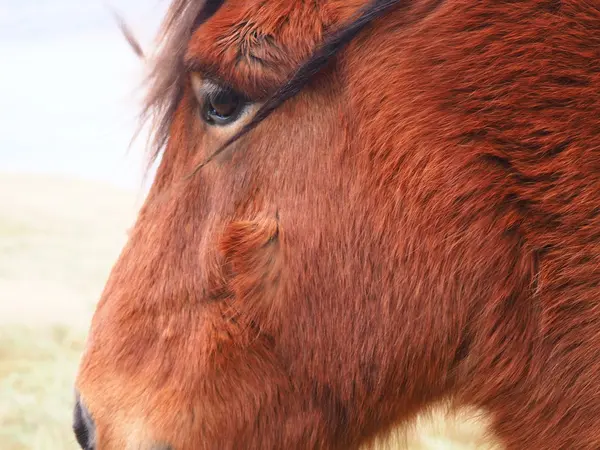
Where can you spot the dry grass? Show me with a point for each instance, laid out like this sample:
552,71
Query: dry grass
58,240
37,367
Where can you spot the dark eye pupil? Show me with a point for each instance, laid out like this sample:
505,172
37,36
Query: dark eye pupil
223,105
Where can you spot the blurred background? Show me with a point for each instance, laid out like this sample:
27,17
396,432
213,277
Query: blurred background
70,186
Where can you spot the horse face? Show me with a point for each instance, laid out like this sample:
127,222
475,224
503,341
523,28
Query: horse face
242,311
368,248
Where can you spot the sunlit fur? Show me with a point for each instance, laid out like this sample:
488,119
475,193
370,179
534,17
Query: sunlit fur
421,223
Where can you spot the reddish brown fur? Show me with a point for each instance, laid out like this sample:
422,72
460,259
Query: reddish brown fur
422,222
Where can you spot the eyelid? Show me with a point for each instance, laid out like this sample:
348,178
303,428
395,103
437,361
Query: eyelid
205,87
207,72
193,64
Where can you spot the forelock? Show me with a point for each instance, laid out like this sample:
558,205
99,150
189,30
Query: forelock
165,79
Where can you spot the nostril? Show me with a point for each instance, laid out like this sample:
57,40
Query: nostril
83,426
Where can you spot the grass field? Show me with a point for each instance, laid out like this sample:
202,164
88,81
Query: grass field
58,240
37,366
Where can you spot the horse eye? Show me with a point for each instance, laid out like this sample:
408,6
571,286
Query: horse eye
222,107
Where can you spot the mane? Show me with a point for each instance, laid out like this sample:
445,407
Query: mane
165,80
167,75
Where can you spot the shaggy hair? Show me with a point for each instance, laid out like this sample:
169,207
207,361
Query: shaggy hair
165,81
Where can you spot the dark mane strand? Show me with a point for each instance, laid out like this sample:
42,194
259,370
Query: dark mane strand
208,10
319,59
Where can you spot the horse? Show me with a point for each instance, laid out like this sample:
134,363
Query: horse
362,208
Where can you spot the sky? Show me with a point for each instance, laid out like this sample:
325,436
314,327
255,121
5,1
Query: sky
70,88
